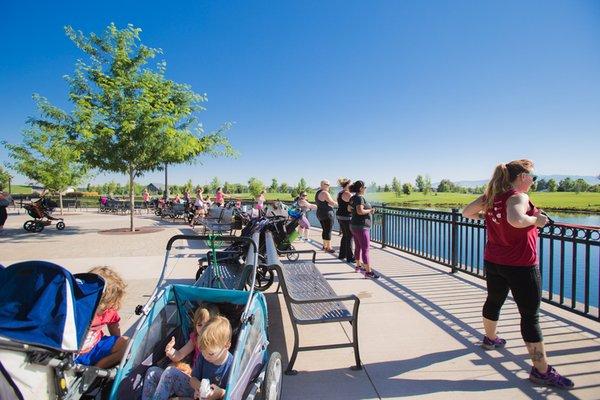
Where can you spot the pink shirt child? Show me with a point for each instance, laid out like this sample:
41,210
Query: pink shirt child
107,317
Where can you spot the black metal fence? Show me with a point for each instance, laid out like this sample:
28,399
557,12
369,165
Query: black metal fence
569,255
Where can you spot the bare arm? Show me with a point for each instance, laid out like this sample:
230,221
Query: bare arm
178,355
114,329
516,212
328,199
474,209
361,210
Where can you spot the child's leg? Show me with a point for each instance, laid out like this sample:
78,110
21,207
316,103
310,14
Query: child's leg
116,353
151,380
173,382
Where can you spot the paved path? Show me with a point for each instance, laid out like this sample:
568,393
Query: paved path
419,326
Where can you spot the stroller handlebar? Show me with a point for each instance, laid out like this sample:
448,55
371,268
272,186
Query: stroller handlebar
206,237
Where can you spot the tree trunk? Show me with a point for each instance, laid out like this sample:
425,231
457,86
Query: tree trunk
60,202
131,199
166,191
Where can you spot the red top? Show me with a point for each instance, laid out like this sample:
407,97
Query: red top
107,317
507,245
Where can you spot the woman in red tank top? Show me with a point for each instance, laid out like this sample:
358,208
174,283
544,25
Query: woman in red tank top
511,261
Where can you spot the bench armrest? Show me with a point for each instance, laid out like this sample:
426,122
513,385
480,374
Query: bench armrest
349,297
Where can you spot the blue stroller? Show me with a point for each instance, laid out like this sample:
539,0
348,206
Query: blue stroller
45,313
168,313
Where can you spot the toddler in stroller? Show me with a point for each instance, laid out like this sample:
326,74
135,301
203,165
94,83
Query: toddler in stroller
45,313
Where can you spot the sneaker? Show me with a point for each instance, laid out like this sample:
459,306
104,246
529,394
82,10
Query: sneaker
490,344
371,275
330,251
351,260
550,378
359,269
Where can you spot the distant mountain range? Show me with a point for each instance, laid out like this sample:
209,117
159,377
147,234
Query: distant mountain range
592,180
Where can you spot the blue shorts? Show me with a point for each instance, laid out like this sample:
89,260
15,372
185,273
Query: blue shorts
102,349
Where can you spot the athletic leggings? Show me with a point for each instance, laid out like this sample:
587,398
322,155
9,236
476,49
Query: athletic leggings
162,384
346,242
525,286
3,215
327,225
362,240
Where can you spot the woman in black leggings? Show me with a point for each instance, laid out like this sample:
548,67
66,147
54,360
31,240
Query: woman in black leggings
325,213
511,262
343,216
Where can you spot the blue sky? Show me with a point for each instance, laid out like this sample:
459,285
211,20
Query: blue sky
364,89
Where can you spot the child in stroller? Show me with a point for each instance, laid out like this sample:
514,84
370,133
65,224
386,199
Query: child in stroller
40,211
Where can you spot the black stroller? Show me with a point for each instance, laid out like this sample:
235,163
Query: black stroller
41,211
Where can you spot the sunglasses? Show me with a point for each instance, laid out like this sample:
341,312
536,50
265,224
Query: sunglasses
533,177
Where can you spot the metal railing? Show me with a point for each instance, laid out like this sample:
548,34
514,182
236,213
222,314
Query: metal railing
569,255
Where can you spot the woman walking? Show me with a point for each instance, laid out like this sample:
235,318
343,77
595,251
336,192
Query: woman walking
5,200
219,197
325,213
360,226
343,216
511,262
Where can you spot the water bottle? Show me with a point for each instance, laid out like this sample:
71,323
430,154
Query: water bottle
205,389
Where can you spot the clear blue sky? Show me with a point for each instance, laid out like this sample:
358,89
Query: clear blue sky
364,89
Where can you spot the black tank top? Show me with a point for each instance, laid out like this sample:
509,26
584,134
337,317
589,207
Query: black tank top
323,208
342,210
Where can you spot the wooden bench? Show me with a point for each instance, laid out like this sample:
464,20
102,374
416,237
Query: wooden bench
311,300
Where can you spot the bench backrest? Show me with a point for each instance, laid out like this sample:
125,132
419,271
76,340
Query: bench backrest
215,212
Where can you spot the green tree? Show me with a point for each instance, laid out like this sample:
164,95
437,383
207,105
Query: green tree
566,185
396,187
228,188
446,186
48,155
215,183
284,188
4,178
580,185
128,118
407,188
274,185
255,186
386,188
552,186
541,185
302,186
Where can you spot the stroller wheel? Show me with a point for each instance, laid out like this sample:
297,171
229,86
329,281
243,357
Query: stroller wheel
264,278
28,225
292,256
38,227
272,384
60,225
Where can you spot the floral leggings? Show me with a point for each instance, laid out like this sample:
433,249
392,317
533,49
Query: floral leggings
162,384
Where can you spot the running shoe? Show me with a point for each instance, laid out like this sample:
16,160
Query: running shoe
490,344
550,378
371,275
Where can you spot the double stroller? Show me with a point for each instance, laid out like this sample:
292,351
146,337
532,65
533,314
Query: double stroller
45,313
41,211
168,313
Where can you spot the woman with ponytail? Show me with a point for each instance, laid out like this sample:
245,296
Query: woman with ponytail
511,262
360,226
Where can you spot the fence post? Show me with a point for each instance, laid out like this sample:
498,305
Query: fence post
454,240
383,226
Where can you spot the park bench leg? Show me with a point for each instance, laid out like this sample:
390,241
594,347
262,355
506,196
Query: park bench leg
290,370
358,365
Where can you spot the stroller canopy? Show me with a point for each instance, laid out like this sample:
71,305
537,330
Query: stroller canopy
42,304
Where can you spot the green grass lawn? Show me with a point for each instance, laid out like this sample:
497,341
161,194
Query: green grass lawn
19,189
568,201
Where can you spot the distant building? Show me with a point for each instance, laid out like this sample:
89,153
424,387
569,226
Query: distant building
155,188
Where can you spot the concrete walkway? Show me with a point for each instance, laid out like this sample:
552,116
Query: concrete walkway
419,326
